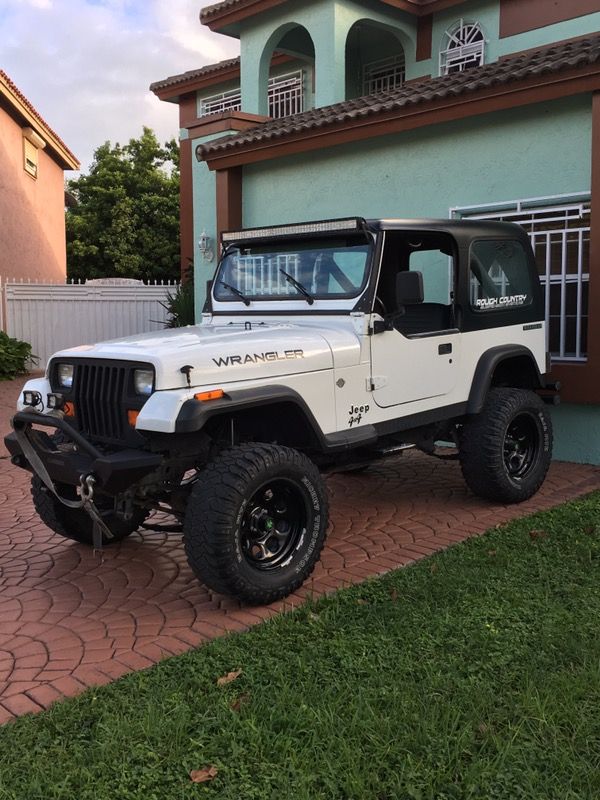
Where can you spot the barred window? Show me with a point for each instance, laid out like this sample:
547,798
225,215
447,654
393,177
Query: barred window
464,47
383,75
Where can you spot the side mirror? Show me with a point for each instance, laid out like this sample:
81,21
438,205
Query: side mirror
409,288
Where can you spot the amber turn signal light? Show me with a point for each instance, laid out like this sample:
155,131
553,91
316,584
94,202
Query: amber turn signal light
132,416
213,394
68,409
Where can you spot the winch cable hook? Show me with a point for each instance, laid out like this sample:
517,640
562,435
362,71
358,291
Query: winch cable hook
99,527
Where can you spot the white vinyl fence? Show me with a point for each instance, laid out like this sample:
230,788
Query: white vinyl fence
52,317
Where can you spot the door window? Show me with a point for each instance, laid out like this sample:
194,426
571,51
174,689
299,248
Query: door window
437,269
432,254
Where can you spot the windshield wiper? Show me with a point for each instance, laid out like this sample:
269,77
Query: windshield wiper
236,292
309,298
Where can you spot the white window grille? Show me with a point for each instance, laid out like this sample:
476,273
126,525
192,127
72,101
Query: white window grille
383,75
559,229
286,96
226,101
464,47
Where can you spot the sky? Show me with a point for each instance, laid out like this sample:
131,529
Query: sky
86,64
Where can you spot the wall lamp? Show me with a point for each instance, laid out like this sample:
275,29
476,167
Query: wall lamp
205,246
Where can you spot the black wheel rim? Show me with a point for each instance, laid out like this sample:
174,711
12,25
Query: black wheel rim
273,524
521,446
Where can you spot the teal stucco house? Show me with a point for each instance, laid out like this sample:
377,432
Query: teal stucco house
411,108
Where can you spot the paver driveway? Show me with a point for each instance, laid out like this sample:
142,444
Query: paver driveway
68,621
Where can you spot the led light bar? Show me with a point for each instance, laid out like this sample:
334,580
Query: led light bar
328,226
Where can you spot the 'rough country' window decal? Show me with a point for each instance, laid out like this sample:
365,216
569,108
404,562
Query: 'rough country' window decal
498,276
495,302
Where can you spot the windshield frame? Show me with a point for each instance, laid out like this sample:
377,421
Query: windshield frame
294,301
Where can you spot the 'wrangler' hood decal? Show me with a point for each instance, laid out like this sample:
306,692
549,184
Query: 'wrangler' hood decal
258,358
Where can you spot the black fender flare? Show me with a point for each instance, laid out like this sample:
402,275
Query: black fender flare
486,366
194,414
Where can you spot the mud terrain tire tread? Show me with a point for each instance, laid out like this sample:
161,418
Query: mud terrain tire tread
482,446
210,529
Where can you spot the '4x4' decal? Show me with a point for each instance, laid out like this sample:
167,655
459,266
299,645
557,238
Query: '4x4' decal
356,413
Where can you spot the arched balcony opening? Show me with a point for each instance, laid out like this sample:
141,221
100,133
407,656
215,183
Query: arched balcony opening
375,59
287,72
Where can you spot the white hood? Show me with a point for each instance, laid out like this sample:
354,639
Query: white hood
222,353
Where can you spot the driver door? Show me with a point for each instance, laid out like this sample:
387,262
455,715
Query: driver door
418,358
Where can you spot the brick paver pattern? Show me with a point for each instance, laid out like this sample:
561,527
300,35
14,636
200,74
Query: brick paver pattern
69,620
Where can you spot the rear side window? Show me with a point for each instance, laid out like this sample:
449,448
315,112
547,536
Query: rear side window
499,275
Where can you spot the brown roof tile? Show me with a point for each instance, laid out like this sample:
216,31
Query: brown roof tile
208,12
16,92
553,59
195,74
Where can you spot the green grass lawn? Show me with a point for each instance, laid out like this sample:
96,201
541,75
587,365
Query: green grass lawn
474,674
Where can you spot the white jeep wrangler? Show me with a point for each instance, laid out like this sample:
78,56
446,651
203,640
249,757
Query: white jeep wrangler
323,346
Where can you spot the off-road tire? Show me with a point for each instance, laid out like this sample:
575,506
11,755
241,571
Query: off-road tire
514,426
223,508
73,523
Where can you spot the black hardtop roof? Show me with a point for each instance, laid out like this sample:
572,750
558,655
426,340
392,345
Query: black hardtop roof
459,228
465,230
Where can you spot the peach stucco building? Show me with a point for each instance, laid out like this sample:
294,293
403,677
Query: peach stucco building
32,195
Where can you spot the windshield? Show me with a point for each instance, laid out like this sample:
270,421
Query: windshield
332,267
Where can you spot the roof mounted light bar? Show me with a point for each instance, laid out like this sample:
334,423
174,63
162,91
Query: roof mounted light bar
350,225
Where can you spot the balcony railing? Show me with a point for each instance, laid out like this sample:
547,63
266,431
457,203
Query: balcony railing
383,75
286,97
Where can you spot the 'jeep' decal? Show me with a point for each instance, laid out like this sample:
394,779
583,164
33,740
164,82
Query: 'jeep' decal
256,358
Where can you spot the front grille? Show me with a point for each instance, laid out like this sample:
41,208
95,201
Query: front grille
99,391
102,393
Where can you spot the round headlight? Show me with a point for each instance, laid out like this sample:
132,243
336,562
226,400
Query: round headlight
65,375
143,381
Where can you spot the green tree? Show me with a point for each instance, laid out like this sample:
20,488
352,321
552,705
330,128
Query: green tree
126,221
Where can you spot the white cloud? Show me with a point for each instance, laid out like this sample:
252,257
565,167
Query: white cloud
40,3
180,19
86,66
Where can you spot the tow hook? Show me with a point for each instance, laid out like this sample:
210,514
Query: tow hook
86,491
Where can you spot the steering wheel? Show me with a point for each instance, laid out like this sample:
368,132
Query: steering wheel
379,307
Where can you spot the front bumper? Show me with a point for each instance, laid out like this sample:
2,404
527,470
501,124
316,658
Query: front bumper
68,461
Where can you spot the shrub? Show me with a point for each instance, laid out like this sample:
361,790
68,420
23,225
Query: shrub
14,357
180,306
